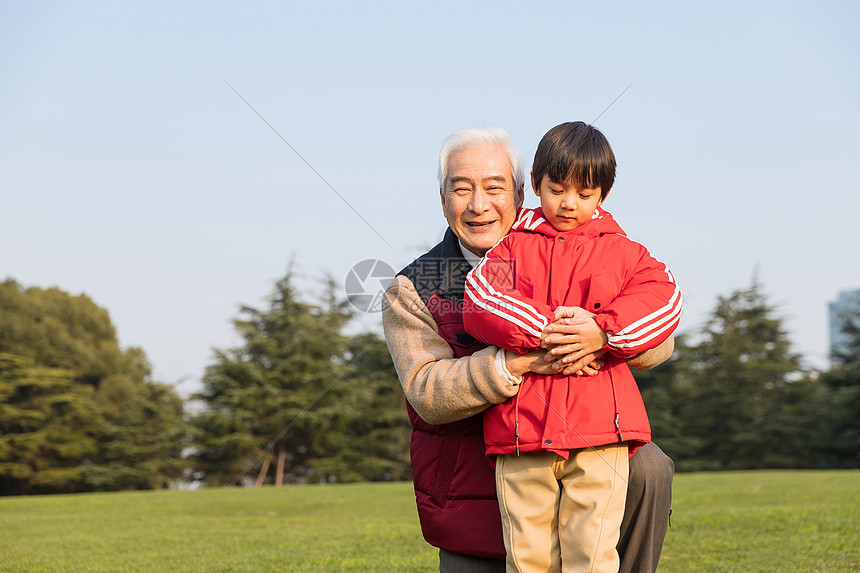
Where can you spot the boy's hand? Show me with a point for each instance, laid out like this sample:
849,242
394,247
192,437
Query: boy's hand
567,312
573,336
575,345
564,316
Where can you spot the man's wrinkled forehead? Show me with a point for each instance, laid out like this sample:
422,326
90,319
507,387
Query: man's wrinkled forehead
491,178
483,164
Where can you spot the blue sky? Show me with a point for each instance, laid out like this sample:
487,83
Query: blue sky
131,172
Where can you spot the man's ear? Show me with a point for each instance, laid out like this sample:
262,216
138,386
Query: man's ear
442,197
519,197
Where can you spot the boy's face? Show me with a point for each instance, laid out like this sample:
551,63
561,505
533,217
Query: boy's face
479,199
565,205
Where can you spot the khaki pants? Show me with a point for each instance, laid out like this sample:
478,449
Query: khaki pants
563,515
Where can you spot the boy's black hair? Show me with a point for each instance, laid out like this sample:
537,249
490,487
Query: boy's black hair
578,153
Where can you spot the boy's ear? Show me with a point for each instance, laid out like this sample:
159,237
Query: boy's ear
603,197
534,187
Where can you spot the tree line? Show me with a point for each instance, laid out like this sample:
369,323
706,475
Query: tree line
299,400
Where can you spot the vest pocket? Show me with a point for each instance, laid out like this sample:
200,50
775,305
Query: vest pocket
445,469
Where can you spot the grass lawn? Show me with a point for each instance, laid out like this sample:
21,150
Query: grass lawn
780,521
743,521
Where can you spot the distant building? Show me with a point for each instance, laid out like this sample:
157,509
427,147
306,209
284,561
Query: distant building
846,302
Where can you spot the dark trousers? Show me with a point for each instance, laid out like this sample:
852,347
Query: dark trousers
646,514
457,563
643,529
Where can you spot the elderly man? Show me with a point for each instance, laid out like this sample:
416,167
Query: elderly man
449,378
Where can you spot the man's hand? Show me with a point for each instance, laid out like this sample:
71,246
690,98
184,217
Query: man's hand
591,363
533,361
540,361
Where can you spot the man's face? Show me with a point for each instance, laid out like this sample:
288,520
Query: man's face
479,200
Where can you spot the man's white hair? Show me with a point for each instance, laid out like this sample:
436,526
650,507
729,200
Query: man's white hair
479,136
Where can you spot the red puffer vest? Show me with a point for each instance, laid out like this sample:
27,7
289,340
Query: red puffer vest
454,484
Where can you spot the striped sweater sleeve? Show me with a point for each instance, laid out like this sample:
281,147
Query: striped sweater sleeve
646,312
495,311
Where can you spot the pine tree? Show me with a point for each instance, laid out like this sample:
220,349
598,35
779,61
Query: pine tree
267,400
666,390
142,430
745,383
45,433
841,443
368,439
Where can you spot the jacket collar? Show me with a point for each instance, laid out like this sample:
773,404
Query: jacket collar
532,220
455,267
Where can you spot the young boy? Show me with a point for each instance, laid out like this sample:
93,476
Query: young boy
561,445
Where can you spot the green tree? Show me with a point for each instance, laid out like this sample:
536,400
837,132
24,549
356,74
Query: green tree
745,388
737,397
268,401
45,432
847,355
298,400
141,430
58,330
841,443
666,390
66,376
368,436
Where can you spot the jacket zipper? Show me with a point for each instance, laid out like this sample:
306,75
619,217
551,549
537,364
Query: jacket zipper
617,414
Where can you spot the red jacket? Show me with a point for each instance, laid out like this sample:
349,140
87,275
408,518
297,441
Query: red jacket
511,296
